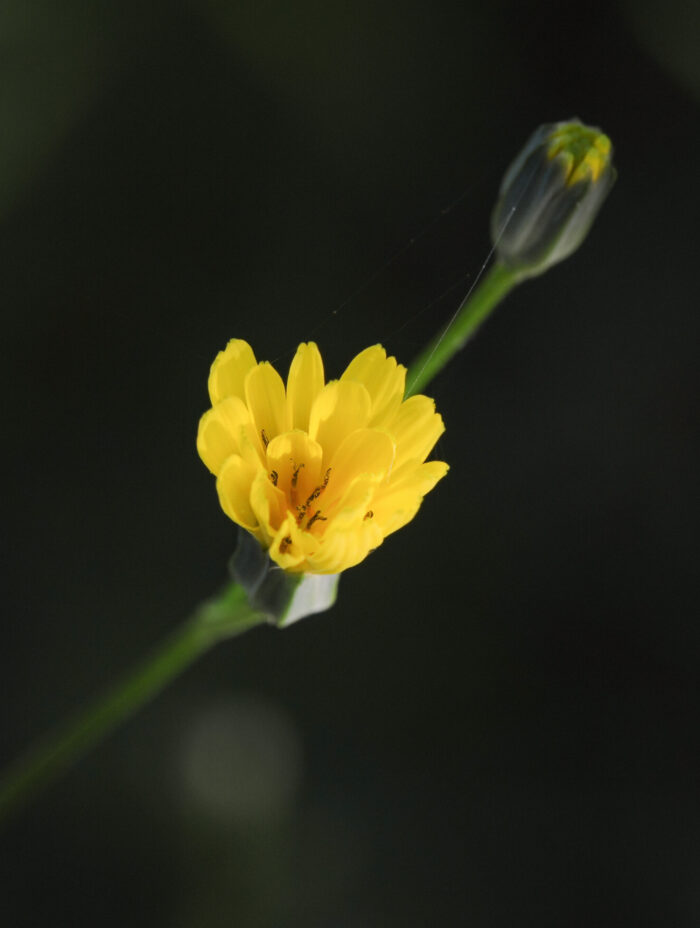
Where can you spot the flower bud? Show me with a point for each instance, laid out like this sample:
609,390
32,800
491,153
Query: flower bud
550,196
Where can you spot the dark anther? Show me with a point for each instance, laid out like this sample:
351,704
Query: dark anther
314,517
316,492
295,475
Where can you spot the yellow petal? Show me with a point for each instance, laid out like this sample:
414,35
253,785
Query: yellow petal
219,430
269,505
421,477
340,408
264,393
393,507
234,486
384,379
229,370
342,549
304,383
251,449
363,452
287,548
396,510
415,428
349,509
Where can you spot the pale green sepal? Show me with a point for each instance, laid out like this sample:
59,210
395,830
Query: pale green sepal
283,597
315,593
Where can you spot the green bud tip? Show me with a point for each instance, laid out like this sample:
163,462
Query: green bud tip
550,196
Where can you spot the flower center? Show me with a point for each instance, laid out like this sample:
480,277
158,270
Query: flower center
302,503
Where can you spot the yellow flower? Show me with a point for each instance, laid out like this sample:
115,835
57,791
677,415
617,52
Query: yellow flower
319,474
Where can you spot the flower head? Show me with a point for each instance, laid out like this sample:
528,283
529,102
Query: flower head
550,196
320,473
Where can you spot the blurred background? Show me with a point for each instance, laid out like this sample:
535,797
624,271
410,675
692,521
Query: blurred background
497,724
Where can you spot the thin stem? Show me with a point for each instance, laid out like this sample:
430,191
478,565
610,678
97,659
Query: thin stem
228,615
477,306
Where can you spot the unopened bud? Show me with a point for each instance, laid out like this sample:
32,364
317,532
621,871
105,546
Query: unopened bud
550,196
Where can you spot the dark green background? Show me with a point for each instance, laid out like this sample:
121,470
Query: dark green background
497,725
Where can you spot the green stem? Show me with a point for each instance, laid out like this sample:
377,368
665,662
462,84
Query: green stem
228,615
477,306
